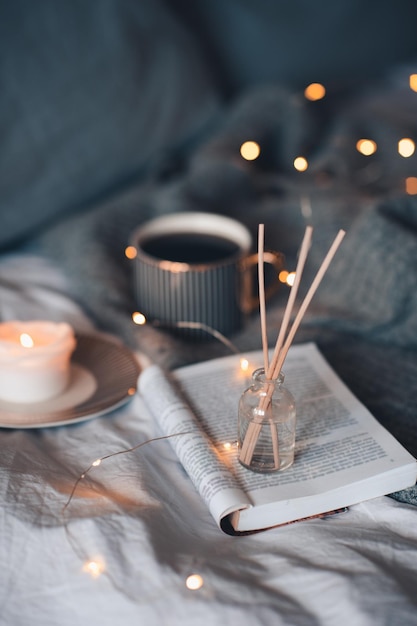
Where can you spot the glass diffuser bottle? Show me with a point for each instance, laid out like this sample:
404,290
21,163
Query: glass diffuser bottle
266,425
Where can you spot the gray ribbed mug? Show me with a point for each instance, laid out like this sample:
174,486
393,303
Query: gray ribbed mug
194,270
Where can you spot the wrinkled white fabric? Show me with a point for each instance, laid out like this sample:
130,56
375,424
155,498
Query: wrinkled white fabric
139,517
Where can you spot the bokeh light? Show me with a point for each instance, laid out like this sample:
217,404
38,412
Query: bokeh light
138,318
300,164
411,185
406,147
131,252
413,82
250,150
283,275
290,279
244,364
194,582
315,91
366,146
94,568
26,340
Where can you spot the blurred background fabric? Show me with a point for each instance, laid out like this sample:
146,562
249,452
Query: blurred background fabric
94,94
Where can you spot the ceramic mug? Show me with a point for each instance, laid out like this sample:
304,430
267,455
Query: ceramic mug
197,268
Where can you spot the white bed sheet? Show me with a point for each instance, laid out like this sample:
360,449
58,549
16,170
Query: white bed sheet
138,517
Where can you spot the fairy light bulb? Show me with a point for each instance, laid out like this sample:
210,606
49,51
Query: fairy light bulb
315,91
194,582
94,568
138,318
131,252
290,279
413,82
406,147
411,185
250,150
300,164
244,364
366,147
283,275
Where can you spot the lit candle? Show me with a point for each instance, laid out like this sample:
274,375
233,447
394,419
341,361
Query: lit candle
34,360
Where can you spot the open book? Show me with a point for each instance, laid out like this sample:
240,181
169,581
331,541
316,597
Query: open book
343,455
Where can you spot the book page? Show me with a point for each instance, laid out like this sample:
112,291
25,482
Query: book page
211,477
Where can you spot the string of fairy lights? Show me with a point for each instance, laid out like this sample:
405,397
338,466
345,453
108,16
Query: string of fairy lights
250,151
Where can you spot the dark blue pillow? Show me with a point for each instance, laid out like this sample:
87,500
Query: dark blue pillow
91,91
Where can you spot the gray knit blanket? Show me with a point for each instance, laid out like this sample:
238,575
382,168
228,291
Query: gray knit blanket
364,315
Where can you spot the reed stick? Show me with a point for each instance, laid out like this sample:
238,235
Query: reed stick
253,431
262,310
309,296
305,246
261,288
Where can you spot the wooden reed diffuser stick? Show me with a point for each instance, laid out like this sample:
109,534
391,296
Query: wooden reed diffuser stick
309,296
305,246
261,287
253,431
262,310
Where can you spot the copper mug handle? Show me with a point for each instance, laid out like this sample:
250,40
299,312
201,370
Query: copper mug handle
249,301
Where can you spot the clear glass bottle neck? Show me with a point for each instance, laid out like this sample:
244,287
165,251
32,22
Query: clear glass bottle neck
259,377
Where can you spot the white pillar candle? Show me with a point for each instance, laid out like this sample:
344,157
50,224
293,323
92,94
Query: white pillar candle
34,360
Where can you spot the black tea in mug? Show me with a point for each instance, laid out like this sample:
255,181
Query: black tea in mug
194,267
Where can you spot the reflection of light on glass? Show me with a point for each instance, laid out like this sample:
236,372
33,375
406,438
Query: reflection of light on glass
244,364
411,185
138,318
315,91
131,252
94,568
26,340
406,147
413,82
300,164
194,582
250,150
366,146
290,279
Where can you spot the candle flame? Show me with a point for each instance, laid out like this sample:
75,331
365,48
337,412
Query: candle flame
26,340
